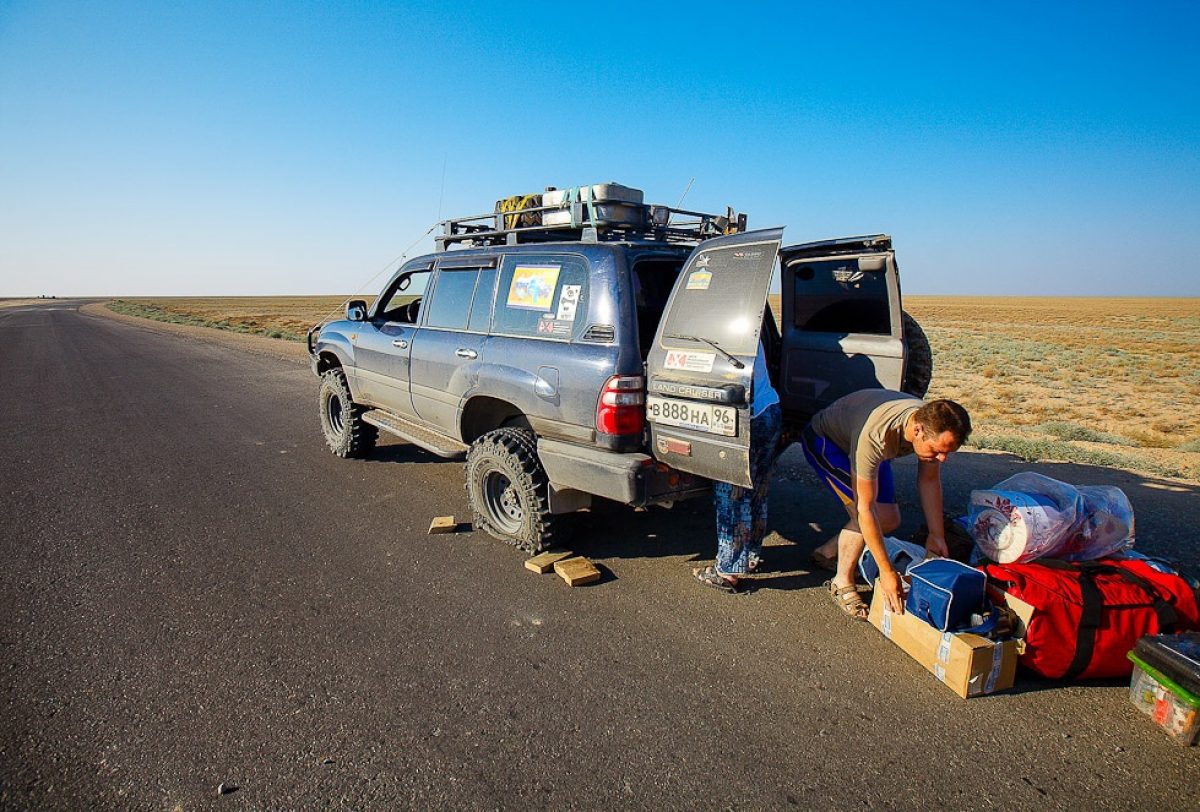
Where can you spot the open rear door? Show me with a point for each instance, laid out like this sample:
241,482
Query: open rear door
698,371
842,329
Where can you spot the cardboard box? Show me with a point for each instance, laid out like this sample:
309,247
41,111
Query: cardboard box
970,665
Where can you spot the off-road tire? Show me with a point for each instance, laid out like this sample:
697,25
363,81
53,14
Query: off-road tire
918,367
508,492
346,433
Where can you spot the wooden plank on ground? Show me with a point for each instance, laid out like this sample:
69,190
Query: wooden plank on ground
544,562
442,524
577,571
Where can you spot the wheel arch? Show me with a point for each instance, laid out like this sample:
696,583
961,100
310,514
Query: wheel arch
327,360
482,414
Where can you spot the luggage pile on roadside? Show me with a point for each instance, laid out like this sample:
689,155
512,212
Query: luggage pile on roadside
1047,578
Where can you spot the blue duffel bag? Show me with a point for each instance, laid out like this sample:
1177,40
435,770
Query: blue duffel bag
945,593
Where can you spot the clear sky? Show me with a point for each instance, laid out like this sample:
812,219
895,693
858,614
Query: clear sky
211,148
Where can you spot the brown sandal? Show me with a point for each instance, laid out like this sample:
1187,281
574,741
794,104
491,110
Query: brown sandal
848,600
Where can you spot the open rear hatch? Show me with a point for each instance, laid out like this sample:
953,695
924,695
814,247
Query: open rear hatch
841,327
841,331
698,371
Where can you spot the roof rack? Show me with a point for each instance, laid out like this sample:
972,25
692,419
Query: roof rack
640,222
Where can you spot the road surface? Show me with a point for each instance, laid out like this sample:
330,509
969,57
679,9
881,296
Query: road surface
194,593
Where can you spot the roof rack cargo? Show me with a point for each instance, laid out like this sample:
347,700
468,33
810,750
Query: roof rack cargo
602,212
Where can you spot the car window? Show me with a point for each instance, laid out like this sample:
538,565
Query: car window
402,301
481,306
452,298
544,296
835,296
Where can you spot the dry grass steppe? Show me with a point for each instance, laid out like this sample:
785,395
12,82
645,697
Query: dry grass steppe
1105,381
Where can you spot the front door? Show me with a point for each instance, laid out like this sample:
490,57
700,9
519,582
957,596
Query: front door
841,328
383,343
698,373
448,350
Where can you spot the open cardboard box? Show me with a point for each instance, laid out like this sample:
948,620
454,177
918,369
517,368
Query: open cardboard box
968,664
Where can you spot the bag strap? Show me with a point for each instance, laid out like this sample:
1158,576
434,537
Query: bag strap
1093,605
1167,616
1089,623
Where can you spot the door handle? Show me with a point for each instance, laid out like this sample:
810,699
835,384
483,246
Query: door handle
463,352
401,343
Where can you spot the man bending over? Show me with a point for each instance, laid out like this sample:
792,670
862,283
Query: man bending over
850,445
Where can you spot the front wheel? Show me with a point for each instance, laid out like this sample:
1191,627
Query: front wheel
508,490
346,433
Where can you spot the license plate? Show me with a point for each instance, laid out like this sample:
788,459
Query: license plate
705,417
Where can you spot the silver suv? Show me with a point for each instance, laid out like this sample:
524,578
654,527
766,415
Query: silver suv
569,364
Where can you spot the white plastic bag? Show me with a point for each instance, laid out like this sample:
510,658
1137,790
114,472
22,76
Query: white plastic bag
1030,516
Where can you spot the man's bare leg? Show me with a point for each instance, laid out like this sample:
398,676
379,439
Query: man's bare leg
849,542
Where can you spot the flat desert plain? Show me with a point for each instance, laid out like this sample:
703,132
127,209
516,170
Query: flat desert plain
1101,381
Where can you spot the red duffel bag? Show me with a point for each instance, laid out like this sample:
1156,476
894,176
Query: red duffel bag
1088,614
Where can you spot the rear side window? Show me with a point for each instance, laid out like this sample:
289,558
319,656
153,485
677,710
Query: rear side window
545,296
452,299
481,308
835,296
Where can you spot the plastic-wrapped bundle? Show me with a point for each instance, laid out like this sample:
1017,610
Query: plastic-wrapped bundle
1029,516
1105,527
1022,518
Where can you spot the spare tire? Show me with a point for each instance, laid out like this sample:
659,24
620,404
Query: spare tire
918,363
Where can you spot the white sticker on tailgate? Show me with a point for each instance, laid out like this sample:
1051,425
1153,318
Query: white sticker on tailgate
690,361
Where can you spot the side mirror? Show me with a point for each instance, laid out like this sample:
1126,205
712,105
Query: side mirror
356,310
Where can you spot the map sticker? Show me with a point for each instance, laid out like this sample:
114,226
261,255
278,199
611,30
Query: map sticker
532,287
568,301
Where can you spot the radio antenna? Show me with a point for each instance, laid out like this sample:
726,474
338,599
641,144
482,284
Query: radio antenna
679,205
442,194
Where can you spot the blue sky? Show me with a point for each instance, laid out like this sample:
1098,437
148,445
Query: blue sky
165,148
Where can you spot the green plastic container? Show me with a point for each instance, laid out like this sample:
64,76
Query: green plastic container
1172,707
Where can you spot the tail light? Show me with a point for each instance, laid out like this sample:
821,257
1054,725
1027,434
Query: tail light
622,405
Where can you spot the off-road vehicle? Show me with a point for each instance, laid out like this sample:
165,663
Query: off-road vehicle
591,346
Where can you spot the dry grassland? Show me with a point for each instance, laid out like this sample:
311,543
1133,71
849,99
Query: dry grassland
1116,377
1104,381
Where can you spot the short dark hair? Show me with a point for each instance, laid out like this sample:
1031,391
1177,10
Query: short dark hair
945,415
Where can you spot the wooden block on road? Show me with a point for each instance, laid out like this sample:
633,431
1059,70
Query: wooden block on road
577,571
442,524
544,562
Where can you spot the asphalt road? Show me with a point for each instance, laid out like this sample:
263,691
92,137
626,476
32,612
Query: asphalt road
195,592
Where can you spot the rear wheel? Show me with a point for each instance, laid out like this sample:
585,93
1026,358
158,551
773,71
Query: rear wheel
918,365
346,433
508,491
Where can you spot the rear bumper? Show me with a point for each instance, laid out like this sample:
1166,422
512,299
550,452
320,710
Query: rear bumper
632,479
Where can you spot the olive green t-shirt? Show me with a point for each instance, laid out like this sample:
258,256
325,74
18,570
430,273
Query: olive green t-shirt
869,426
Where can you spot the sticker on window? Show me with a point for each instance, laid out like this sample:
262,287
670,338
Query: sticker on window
690,361
699,280
568,301
532,287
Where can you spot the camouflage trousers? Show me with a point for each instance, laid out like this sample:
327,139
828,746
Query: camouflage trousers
742,512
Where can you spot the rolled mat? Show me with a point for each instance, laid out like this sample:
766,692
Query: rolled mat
1011,526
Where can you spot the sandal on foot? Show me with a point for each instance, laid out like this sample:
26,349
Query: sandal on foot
710,577
848,600
824,562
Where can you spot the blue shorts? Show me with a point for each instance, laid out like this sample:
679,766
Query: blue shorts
832,467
